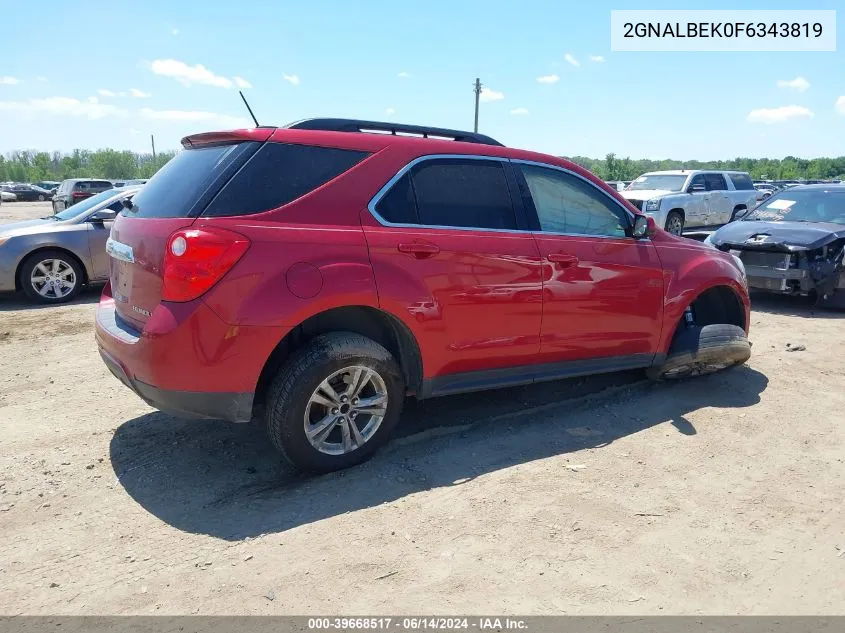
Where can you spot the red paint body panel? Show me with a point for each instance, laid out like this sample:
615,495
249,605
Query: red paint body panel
187,347
473,300
475,304
607,302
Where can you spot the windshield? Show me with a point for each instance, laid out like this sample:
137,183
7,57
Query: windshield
658,181
816,205
83,206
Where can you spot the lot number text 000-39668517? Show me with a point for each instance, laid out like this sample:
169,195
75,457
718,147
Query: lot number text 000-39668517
727,30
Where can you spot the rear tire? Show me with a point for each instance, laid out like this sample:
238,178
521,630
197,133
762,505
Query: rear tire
738,211
299,406
675,223
698,351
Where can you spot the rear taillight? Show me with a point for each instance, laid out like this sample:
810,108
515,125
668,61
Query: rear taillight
196,259
78,194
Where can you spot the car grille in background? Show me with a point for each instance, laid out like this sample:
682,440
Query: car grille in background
637,203
767,260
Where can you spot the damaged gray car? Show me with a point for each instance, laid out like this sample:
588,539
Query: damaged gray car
793,243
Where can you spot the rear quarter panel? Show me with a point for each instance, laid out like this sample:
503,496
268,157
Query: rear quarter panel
689,269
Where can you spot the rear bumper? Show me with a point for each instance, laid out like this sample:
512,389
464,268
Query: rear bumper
186,361
232,407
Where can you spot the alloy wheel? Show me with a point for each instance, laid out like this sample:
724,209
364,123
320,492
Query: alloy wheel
53,278
345,410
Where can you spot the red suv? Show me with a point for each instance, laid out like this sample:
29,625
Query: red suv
315,275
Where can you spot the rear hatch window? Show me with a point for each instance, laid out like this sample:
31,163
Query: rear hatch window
278,174
219,180
184,185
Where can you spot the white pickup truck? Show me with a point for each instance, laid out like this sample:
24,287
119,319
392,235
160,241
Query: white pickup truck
683,199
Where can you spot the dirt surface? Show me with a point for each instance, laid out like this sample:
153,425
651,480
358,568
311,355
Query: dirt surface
603,496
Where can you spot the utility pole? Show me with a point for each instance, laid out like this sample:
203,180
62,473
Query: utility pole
153,141
477,90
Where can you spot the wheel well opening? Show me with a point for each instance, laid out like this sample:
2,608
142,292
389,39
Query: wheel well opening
718,305
19,286
379,326
678,211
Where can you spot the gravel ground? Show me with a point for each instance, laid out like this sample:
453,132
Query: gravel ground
609,495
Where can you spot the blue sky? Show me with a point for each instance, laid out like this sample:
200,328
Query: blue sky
96,75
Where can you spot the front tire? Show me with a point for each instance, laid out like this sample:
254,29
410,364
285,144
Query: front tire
51,276
41,197
675,223
335,402
697,351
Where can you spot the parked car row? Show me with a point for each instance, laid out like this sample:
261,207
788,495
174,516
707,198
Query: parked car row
24,192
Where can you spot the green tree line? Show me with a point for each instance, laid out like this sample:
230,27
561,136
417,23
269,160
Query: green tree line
32,166
790,168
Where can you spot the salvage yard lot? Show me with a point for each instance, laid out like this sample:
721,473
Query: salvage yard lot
607,495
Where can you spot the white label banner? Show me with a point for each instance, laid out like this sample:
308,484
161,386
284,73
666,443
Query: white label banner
728,30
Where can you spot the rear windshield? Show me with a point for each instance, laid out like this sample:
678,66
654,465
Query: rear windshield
183,186
278,174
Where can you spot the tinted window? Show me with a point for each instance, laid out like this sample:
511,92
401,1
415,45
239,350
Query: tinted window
699,180
399,205
181,184
741,181
567,204
278,174
715,182
463,193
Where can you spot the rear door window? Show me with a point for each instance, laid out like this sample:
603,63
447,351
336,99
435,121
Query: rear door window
741,182
715,182
185,184
457,192
280,173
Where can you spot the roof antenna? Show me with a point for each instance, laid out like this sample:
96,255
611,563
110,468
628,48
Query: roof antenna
240,92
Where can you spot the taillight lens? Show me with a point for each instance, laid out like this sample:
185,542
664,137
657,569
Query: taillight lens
196,259
78,194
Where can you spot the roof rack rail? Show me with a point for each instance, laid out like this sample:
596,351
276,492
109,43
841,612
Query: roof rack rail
355,125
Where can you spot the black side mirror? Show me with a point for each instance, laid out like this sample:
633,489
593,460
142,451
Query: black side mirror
696,189
644,227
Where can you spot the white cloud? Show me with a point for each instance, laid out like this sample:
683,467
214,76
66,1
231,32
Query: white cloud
139,94
404,75
291,79
41,78
134,132
840,105
799,83
91,109
519,111
106,93
9,81
240,82
491,95
390,111
548,79
596,58
195,116
779,115
570,59
174,31
188,75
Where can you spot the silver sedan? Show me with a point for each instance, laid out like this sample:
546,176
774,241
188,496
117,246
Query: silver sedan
50,259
